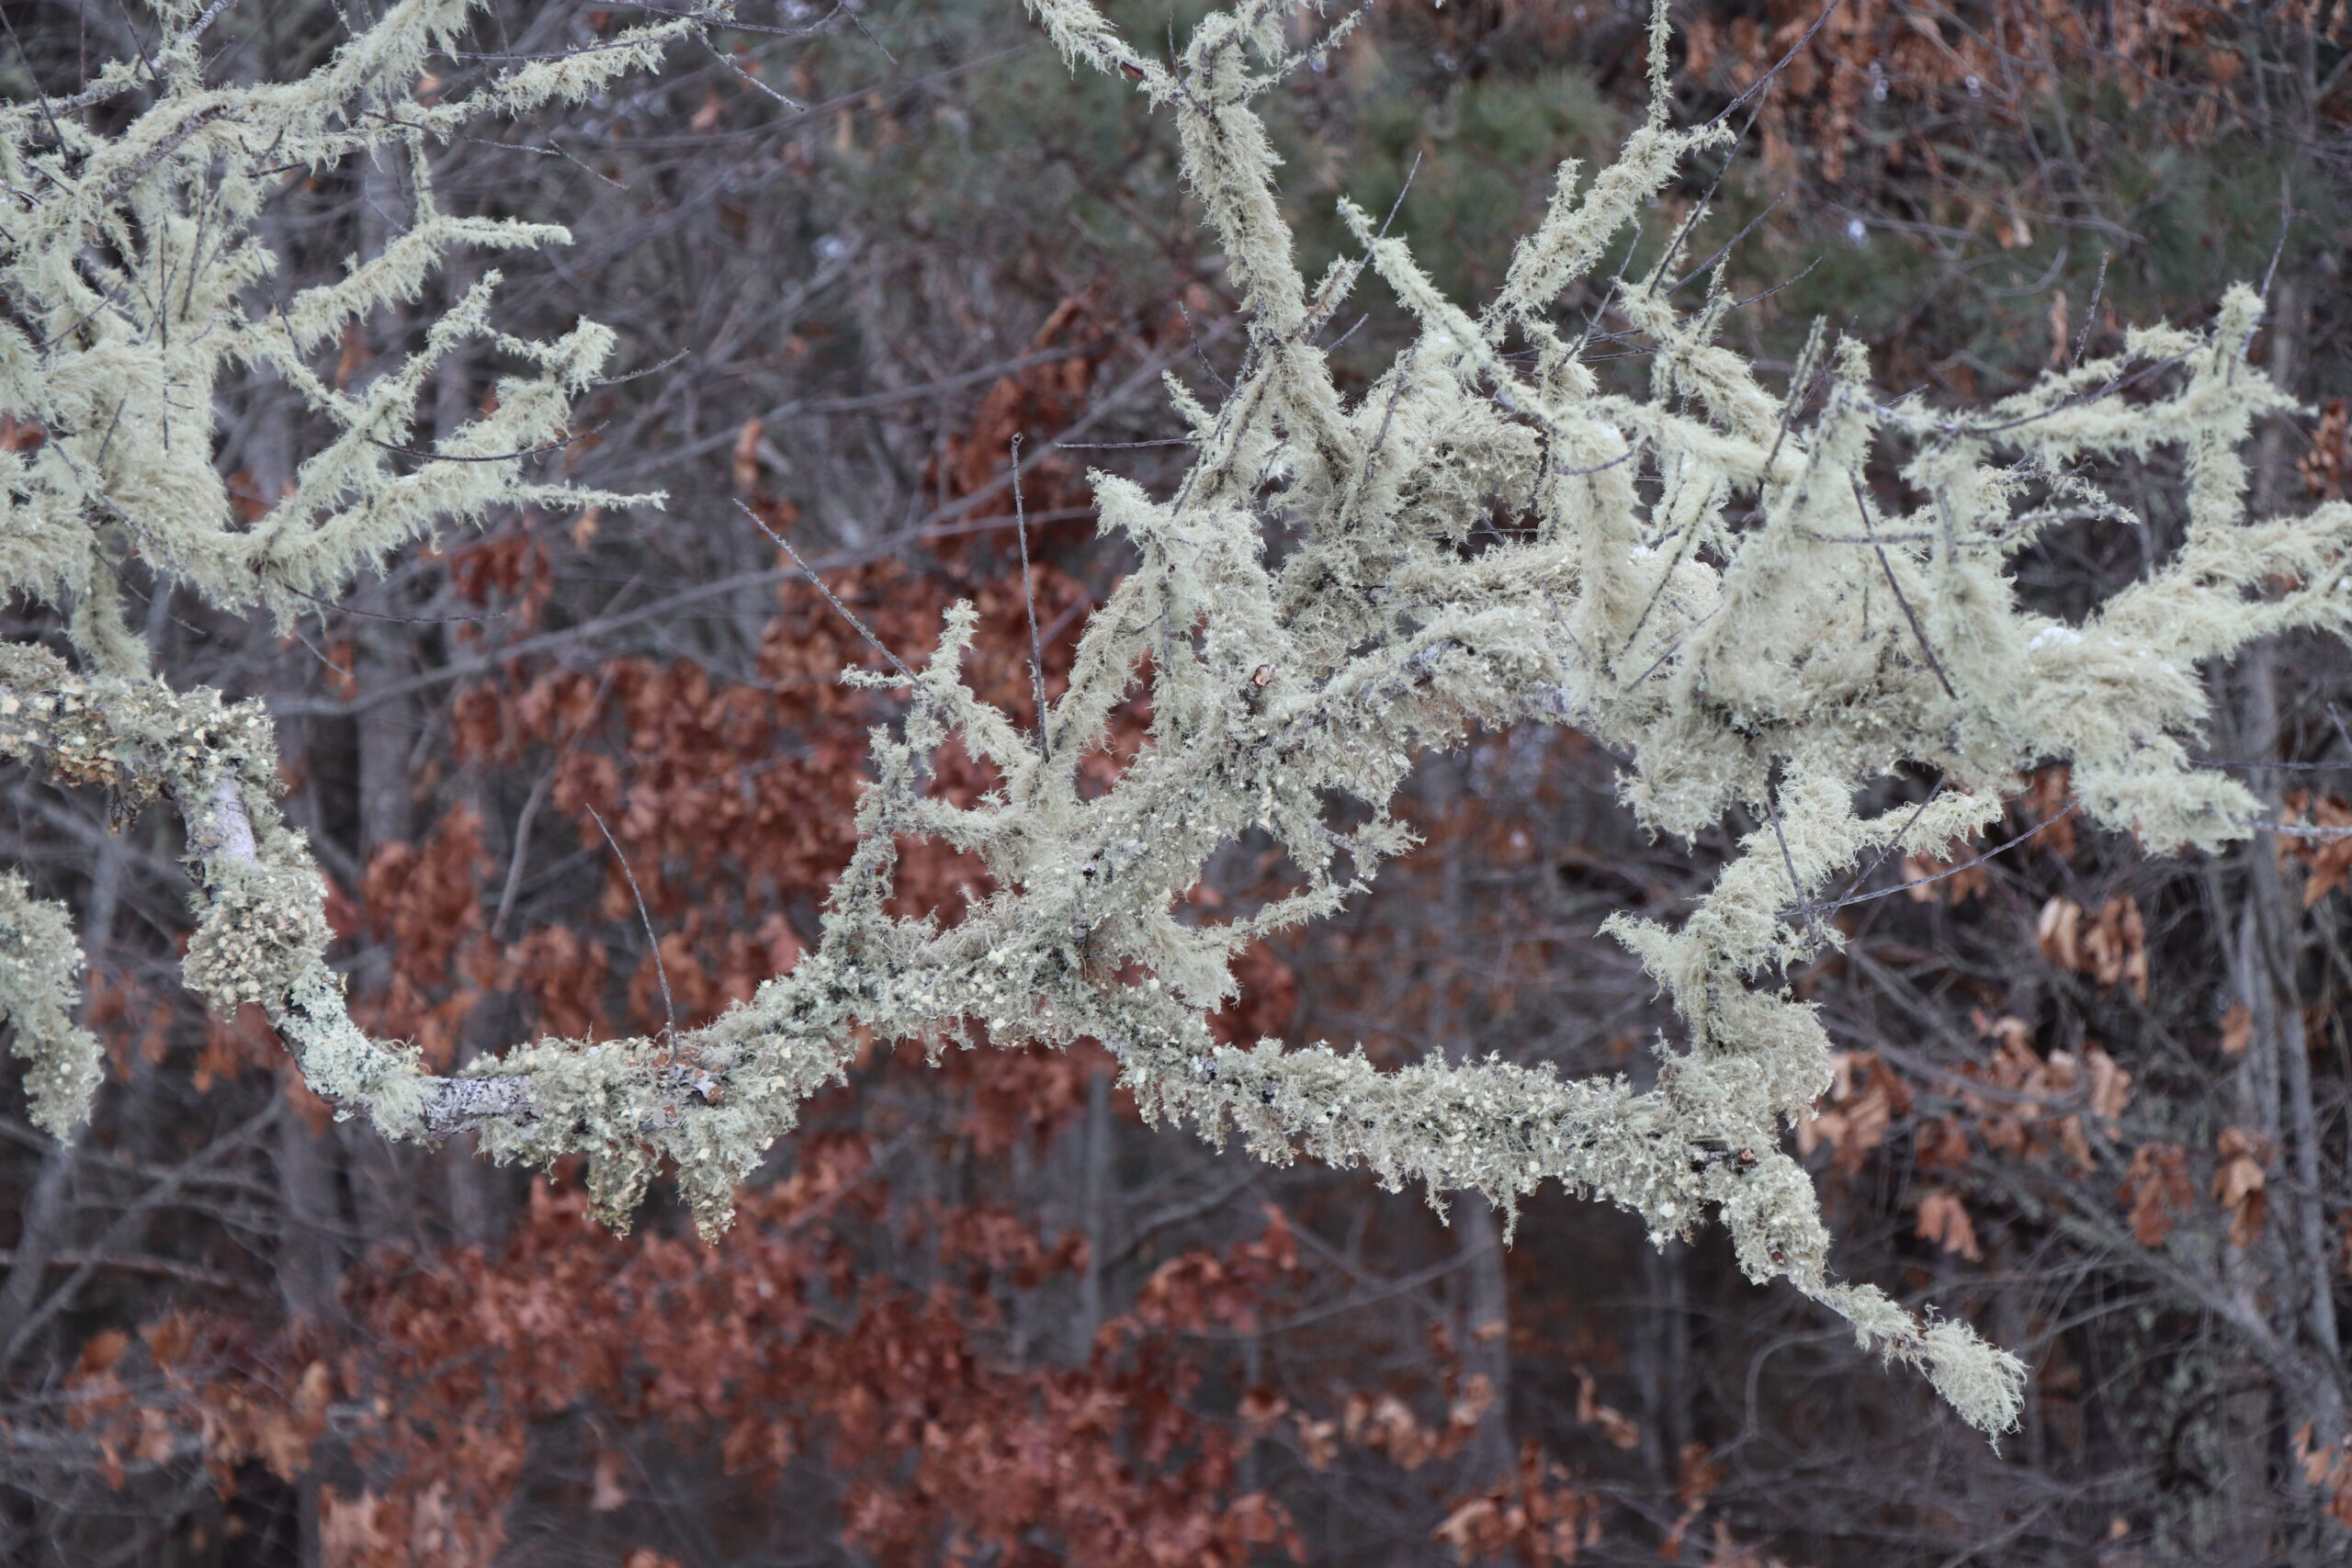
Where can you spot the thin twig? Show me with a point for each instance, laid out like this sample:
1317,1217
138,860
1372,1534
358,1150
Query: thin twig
1673,647
538,795
1601,306
1765,81
2292,831
1785,283
1895,843
2072,807
46,113
1380,436
748,79
2286,222
830,598
1725,248
1333,345
106,442
1029,595
1888,567
661,970
379,616
2090,312
1796,884
1320,319
2342,731
1597,467
485,457
651,369
1199,351
522,844
346,676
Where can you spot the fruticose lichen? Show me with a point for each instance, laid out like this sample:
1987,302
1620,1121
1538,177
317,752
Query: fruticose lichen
1765,632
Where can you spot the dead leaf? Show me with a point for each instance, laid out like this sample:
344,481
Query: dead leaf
2237,1030
2326,467
1319,1441
1934,877
2327,1468
1466,1527
1865,1096
1698,1473
1941,1144
1943,1219
2156,1188
747,455
2116,949
1616,1428
2327,861
2239,1182
2110,947
155,1445
100,1354
1261,1408
2047,799
351,1530
2110,1085
608,1492
2059,931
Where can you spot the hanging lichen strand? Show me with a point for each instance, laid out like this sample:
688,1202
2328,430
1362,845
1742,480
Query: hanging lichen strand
1759,636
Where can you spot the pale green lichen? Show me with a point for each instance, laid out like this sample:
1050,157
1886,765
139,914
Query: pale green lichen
120,377
38,961
1760,634
263,928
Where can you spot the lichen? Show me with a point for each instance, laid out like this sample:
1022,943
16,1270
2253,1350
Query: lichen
38,961
1761,636
262,925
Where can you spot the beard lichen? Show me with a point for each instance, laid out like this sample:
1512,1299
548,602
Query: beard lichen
1766,634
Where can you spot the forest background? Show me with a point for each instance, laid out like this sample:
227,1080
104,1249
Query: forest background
868,258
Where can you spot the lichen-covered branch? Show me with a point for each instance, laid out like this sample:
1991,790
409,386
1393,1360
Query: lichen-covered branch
38,961
1716,580
132,278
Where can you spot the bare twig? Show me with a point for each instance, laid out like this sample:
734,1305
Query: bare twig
2038,828
2090,313
1908,614
1796,884
1029,595
661,970
1765,82
845,612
